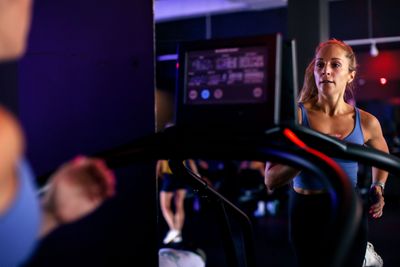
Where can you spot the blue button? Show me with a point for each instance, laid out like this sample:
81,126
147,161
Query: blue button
205,94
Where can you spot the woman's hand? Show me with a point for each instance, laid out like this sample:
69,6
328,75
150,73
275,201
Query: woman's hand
76,189
377,202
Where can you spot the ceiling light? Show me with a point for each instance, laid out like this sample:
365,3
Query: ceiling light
373,50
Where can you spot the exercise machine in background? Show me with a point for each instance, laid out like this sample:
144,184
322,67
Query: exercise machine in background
235,100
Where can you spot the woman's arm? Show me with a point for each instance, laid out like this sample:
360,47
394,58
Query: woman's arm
193,167
159,168
375,139
277,175
11,149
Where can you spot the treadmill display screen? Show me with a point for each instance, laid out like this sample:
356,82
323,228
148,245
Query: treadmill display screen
230,75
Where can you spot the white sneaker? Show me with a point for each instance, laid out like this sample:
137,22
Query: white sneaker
260,211
171,235
177,239
372,259
272,207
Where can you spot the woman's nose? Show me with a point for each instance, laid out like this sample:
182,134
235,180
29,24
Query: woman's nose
326,70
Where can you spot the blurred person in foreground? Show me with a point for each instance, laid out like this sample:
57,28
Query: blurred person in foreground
76,189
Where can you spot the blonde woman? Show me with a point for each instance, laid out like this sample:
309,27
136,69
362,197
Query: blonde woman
324,107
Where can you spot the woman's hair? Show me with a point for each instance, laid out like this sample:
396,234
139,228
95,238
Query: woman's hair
309,90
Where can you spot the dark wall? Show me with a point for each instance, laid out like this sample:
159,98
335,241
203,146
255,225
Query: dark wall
347,20
87,85
227,25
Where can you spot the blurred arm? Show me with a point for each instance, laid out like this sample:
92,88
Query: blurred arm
11,149
75,190
277,175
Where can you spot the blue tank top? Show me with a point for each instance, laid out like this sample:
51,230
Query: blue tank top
19,225
306,180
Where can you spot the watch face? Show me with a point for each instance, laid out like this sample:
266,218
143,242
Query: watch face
380,184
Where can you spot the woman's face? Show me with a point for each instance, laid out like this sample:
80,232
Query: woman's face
331,71
15,16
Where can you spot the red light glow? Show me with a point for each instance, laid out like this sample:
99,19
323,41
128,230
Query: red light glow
296,140
383,81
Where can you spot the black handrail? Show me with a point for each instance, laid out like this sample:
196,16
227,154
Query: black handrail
178,143
340,149
347,211
198,183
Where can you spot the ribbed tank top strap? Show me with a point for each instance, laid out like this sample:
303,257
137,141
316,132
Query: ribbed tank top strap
358,125
304,118
356,136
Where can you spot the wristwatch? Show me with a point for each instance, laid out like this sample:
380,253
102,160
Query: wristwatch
382,185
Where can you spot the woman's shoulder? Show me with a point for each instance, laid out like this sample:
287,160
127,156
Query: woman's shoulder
368,120
366,116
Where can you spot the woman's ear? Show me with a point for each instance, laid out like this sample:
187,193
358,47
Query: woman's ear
351,78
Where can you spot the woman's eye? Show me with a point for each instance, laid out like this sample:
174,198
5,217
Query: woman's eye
336,65
319,65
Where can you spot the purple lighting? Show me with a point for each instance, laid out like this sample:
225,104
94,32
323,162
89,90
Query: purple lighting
178,9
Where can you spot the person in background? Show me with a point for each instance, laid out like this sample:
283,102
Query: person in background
252,174
75,190
172,199
323,107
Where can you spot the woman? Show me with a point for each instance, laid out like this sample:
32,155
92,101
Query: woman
323,107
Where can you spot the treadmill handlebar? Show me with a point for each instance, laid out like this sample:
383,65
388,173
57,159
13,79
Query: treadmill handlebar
177,143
